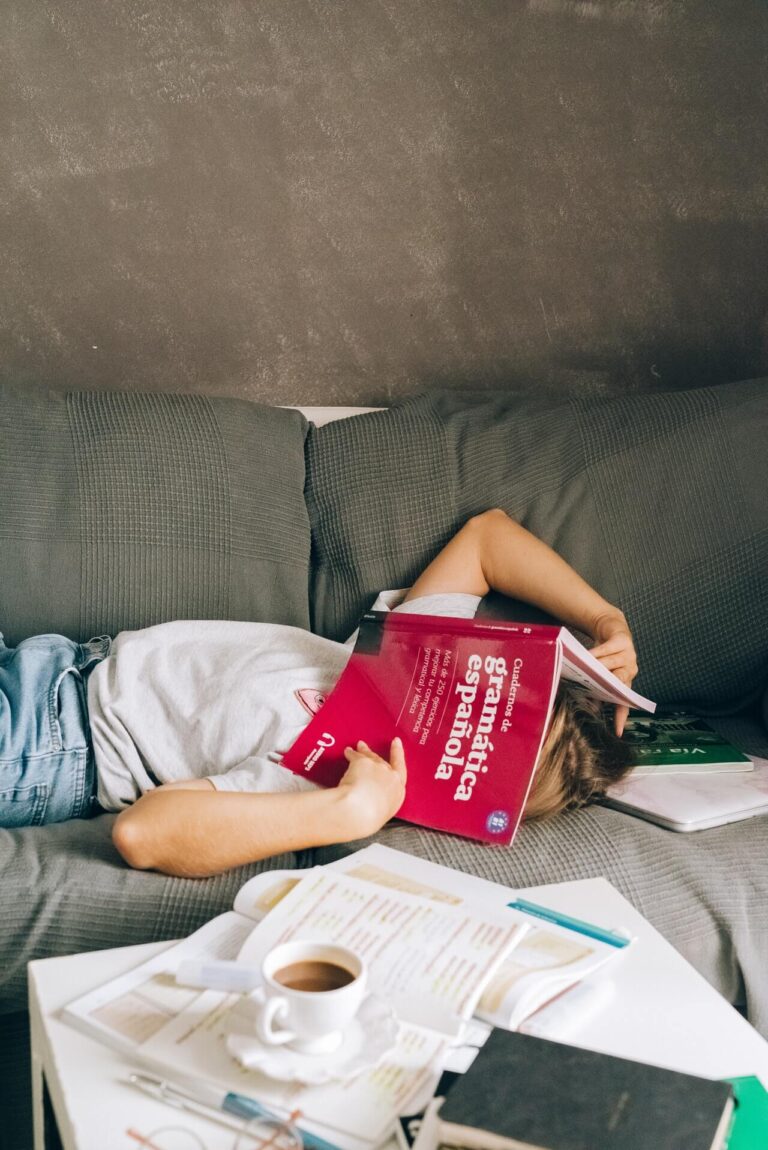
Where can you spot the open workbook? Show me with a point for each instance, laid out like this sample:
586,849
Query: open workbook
440,946
471,700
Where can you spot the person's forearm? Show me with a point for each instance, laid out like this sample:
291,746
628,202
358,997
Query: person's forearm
493,553
201,832
518,564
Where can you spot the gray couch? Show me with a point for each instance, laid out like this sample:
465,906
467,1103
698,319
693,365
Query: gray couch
123,510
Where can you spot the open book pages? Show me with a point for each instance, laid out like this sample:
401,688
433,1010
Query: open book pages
547,959
580,666
428,958
693,802
440,945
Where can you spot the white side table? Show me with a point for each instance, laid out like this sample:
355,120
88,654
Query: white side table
664,1013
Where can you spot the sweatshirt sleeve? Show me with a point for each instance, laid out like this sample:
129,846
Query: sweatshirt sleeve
259,775
456,605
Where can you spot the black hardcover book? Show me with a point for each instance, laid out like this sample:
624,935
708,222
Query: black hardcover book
526,1091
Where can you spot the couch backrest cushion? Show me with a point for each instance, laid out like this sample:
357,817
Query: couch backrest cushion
120,510
659,500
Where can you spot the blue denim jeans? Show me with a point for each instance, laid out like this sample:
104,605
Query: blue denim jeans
47,771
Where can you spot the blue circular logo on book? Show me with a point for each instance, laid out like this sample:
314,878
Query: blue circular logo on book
497,822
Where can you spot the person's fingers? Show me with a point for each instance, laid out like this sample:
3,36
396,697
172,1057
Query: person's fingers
396,759
360,748
610,646
619,719
613,647
614,661
626,674
397,755
621,668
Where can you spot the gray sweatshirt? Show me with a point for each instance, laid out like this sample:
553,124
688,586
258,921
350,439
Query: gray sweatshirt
218,700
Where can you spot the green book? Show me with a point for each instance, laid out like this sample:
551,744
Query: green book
674,742
749,1128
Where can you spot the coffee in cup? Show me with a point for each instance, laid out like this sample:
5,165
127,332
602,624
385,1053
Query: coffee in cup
315,975
311,992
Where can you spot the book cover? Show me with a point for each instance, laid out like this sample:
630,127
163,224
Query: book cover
674,742
471,700
533,1092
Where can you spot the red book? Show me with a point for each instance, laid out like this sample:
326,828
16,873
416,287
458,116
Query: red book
471,700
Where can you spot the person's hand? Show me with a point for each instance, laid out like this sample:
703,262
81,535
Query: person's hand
373,788
616,651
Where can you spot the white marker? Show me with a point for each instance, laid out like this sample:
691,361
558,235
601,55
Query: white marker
231,977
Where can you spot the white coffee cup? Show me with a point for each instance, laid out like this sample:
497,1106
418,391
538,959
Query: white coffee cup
311,992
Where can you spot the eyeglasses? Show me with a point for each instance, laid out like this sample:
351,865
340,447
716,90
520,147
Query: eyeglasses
257,1134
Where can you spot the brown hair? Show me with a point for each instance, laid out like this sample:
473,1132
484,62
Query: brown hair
581,756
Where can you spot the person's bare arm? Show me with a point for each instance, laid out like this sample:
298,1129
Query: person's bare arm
191,829
493,553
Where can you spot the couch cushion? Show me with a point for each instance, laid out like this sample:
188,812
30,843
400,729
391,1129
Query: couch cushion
65,889
123,510
658,500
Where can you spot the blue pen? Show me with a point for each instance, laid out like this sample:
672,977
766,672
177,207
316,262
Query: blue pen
576,924
219,1106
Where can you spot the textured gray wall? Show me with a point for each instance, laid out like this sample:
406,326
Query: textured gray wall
327,202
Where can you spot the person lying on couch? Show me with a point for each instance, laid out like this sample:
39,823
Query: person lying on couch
180,726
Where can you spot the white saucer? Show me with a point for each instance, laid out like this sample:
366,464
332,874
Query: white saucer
366,1040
